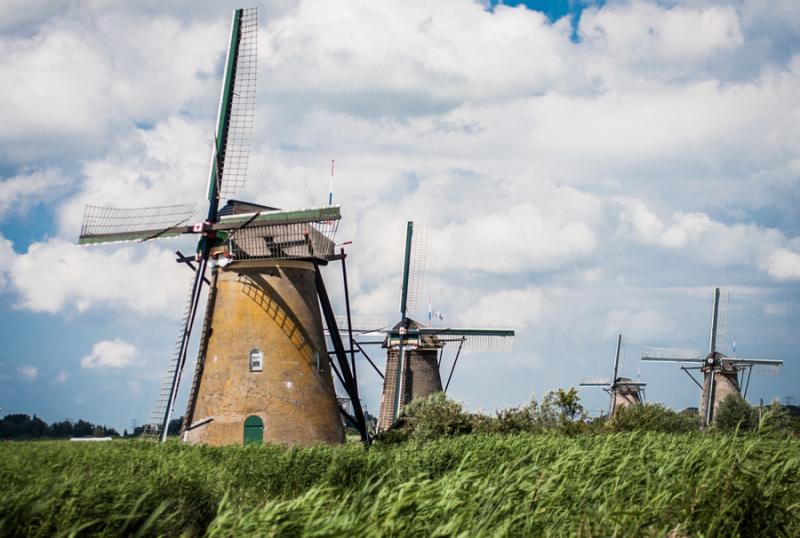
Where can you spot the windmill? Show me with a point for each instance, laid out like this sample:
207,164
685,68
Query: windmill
722,375
623,391
259,375
414,351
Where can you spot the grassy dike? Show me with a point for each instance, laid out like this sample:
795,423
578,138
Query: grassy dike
632,484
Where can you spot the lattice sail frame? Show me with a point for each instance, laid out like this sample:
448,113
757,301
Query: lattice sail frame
112,225
470,340
671,355
234,161
762,366
361,324
416,268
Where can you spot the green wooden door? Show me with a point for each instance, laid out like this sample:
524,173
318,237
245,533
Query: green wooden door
253,430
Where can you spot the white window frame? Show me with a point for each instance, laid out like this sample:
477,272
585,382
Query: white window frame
256,360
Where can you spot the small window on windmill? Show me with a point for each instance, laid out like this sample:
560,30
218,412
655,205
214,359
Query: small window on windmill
256,360
316,360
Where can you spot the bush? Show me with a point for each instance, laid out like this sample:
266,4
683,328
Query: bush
511,420
652,417
428,418
735,414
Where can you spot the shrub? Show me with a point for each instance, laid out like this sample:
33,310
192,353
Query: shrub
735,414
652,417
428,418
510,420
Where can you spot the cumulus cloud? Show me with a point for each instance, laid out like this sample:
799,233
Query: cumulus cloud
28,372
508,308
61,377
74,82
642,32
711,241
56,275
19,192
784,264
645,325
110,354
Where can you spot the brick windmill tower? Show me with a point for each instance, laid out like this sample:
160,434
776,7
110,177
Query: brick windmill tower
622,390
263,373
414,351
722,375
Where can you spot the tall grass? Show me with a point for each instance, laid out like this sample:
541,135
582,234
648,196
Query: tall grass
643,484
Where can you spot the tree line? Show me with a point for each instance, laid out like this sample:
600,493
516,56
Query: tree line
20,426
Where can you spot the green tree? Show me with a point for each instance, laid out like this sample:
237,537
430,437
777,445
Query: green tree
734,413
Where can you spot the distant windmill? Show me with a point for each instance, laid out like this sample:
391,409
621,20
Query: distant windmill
622,390
721,374
414,351
259,376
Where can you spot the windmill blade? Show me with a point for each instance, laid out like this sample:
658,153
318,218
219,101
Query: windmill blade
361,324
115,225
165,403
595,383
722,320
237,107
759,365
475,340
615,370
413,268
660,354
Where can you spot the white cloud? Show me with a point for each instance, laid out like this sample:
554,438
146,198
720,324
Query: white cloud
507,308
519,239
110,354
61,377
784,264
56,275
74,82
647,33
19,192
713,242
639,325
28,372
7,256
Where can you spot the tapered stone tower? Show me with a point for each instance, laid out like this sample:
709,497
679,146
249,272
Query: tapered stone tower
420,374
265,361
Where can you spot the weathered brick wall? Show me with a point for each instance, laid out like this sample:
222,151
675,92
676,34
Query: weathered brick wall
624,397
271,306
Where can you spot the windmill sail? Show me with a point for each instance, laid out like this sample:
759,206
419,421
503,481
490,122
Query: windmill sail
475,340
759,365
114,225
595,383
662,354
413,268
237,108
238,34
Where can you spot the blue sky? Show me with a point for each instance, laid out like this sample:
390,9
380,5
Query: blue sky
579,176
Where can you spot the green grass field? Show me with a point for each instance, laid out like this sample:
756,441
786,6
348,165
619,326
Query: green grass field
639,484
